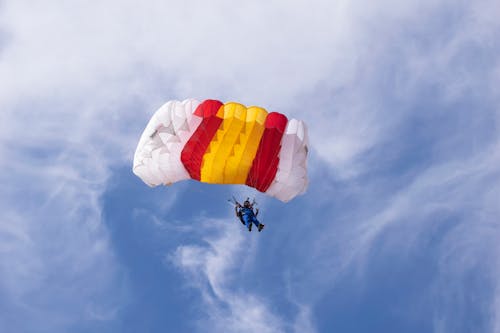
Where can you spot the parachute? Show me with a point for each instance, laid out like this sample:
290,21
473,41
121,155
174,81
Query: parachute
226,143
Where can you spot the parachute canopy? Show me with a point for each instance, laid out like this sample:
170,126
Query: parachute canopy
221,143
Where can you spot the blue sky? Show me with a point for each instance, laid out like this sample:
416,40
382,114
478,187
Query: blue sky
398,231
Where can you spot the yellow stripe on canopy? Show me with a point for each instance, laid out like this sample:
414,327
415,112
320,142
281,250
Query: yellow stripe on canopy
238,165
230,154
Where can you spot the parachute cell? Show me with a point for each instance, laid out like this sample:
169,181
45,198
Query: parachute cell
221,143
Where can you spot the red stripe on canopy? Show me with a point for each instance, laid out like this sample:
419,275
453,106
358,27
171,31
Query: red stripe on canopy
193,151
265,163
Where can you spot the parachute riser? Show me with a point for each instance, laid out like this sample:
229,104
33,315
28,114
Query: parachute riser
236,203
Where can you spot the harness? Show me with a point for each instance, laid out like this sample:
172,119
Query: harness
246,211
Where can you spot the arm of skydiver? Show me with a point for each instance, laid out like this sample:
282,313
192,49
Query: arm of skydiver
256,211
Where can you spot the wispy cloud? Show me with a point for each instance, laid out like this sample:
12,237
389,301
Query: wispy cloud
56,261
215,269
445,213
78,85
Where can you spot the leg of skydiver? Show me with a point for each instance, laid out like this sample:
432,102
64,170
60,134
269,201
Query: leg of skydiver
255,221
248,221
259,225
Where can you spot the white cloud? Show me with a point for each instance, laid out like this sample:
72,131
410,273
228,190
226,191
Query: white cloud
401,49
462,192
56,265
79,80
217,271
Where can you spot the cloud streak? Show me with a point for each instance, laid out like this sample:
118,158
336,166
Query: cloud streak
409,93
215,269
55,255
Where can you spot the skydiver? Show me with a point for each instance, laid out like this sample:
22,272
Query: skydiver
246,215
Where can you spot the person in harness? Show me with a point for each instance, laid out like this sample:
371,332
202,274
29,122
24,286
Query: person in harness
247,215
